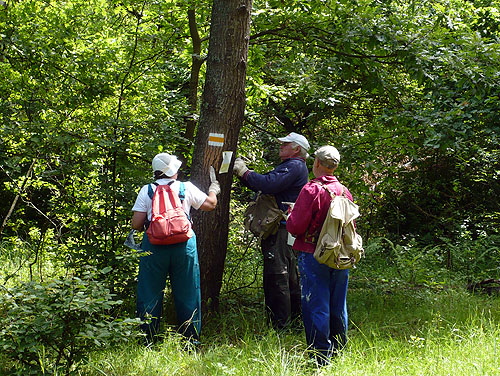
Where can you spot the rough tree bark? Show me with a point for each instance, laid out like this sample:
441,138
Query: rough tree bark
222,111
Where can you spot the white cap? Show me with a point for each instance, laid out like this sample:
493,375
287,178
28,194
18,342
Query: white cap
297,138
166,163
328,154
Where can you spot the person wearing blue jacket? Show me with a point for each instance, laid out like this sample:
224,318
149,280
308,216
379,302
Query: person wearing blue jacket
280,277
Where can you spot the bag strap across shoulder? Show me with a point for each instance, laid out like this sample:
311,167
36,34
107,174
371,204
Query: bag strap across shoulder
332,194
150,190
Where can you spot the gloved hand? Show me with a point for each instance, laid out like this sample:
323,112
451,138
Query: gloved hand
240,167
214,184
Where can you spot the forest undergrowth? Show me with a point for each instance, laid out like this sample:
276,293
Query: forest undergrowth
393,330
409,314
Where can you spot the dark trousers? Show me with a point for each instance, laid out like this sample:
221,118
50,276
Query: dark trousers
281,279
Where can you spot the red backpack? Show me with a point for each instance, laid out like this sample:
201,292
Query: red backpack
169,223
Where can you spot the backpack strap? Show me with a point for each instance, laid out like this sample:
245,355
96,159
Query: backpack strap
332,194
182,196
150,190
313,238
150,194
182,190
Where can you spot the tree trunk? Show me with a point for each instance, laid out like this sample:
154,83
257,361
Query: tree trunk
222,111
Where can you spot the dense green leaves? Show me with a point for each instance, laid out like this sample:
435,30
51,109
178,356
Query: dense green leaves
90,90
52,326
393,85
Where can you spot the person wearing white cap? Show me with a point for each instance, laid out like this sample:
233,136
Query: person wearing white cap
280,279
324,290
179,261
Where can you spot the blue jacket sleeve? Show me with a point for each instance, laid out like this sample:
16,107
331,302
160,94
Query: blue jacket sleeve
284,182
283,177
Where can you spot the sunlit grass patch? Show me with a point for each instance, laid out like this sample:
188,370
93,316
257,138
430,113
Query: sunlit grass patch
469,350
408,331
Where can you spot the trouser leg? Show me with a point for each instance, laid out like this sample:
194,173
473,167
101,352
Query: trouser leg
338,308
294,285
185,280
281,282
150,285
276,296
315,303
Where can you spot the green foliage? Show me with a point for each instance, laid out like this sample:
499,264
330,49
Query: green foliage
407,263
441,263
34,258
406,90
243,267
90,91
476,259
397,87
443,195
52,326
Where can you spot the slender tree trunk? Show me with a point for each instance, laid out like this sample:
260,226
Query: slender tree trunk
19,193
222,111
196,63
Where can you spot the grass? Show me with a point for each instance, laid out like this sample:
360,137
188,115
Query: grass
393,331
407,317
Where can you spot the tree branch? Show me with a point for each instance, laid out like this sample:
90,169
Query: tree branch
20,191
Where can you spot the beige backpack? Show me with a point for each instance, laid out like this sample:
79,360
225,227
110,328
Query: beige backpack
339,246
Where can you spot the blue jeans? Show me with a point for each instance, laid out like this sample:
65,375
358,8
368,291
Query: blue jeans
324,306
180,263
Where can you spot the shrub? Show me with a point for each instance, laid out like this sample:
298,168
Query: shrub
50,327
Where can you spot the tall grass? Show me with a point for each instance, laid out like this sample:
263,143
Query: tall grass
409,315
393,331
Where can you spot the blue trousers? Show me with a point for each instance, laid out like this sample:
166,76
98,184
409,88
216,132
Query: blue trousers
180,263
324,306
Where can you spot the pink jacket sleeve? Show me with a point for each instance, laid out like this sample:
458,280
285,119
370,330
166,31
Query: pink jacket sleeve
300,218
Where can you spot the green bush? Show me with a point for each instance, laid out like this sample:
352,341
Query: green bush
477,259
50,327
450,261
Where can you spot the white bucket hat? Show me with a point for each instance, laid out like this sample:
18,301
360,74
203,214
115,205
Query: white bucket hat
166,163
297,138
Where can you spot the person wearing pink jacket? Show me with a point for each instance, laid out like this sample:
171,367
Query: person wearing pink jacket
324,290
